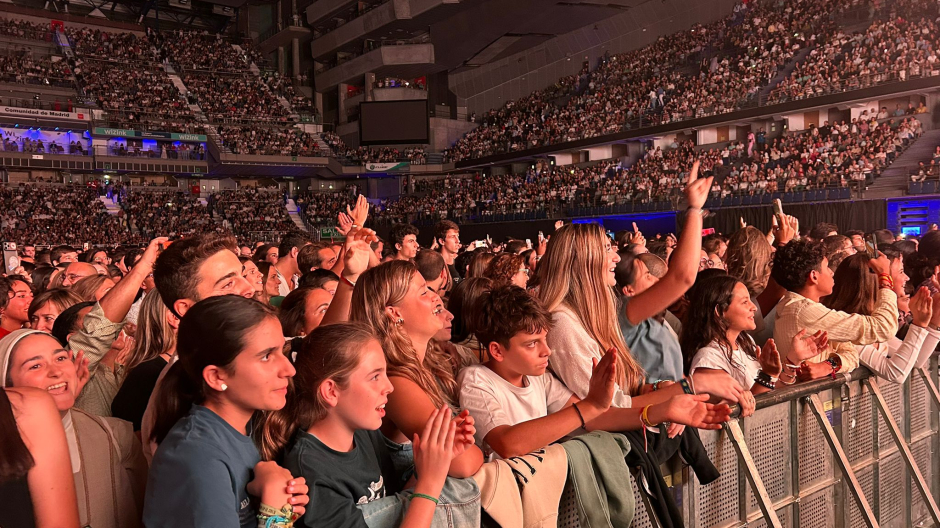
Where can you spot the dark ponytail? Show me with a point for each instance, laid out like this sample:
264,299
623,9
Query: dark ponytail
211,333
15,458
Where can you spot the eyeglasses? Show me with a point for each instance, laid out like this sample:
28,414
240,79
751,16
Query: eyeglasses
524,270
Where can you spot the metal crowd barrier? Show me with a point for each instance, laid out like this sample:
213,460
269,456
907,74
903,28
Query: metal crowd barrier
851,452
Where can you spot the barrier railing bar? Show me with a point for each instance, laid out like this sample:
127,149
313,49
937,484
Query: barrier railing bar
904,449
750,469
815,404
650,512
931,388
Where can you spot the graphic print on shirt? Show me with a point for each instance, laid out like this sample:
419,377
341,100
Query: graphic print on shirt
376,491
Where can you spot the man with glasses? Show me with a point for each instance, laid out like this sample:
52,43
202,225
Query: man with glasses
77,271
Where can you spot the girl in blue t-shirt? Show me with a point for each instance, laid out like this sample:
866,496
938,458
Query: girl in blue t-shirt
207,471
329,429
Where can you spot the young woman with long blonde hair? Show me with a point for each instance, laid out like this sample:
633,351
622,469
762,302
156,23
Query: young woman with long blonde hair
576,286
393,300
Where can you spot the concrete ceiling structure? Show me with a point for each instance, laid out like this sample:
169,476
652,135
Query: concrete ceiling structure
466,33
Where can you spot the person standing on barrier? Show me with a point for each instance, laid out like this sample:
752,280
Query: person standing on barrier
802,269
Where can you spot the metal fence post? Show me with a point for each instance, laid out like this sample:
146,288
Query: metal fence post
815,404
904,450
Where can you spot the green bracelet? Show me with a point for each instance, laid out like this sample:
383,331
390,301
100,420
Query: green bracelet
423,496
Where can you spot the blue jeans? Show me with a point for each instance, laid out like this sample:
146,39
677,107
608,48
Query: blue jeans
459,500
459,507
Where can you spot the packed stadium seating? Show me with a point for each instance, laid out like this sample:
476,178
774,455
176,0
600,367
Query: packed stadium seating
58,214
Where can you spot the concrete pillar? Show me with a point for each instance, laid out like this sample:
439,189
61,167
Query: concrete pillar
341,100
369,86
318,102
281,60
295,57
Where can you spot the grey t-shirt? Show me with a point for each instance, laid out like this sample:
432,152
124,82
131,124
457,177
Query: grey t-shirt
200,475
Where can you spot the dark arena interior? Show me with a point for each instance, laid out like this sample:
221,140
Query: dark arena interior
447,263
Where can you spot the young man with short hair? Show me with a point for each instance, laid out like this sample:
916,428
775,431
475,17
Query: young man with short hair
519,407
63,254
447,234
431,266
404,242
287,269
317,255
196,268
801,267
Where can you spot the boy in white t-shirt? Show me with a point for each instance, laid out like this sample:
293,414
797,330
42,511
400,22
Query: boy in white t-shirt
519,407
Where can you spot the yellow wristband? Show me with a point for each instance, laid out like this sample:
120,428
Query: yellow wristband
645,418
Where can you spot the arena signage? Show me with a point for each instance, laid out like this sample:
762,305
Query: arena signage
387,167
130,133
36,112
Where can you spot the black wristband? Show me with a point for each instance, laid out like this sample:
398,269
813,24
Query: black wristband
581,416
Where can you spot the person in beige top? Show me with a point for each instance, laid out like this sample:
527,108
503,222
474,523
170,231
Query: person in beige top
803,270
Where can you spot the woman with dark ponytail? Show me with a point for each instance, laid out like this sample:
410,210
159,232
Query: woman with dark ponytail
231,369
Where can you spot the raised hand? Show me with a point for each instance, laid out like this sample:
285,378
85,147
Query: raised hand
769,359
803,347
696,190
360,213
358,253
638,237
921,306
81,370
603,380
343,223
433,452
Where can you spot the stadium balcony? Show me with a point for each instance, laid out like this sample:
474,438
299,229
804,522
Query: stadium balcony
401,58
284,34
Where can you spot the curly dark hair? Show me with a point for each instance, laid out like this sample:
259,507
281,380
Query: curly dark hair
503,312
503,267
794,262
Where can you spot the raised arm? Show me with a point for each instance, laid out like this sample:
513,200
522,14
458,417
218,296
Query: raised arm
50,481
684,261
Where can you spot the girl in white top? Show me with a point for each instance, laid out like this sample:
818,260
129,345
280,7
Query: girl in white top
714,336
855,291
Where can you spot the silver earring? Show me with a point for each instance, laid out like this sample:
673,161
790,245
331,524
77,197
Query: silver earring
400,321
224,387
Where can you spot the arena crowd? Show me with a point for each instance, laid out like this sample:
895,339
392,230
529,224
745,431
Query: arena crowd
253,381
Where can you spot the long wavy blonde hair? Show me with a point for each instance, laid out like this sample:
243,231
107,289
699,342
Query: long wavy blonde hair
573,273
154,334
748,258
386,285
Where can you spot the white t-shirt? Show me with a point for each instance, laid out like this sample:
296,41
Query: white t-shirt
493,401
741,367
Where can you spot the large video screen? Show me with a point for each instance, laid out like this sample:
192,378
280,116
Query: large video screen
384,122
